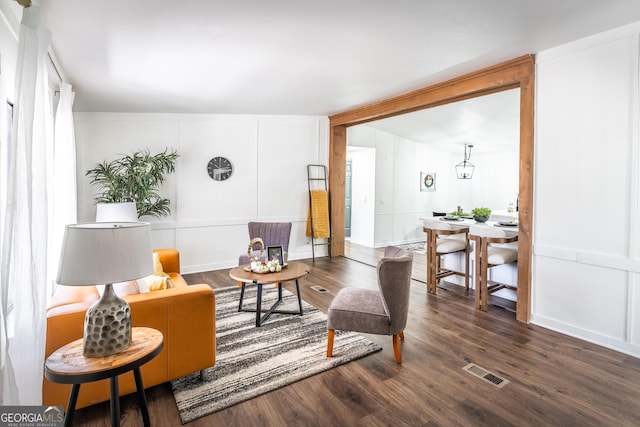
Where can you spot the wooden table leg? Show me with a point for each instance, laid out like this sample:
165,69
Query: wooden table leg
485,276
478,272
142,398
431,262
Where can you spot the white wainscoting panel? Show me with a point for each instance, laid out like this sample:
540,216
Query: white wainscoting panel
586,190
209,219
202,139
580,294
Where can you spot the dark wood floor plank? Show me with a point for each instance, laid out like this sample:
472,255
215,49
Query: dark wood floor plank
553,379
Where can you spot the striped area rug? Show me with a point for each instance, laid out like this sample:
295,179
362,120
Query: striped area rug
252,361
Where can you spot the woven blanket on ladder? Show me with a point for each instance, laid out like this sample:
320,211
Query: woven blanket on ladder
319,211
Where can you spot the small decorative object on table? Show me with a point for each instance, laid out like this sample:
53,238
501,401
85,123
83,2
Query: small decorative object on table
255,260
481,214
257,265
275,253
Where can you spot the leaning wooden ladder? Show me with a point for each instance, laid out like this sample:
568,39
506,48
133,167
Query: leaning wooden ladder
318,223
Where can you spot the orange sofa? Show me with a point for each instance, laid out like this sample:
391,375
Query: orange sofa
184,314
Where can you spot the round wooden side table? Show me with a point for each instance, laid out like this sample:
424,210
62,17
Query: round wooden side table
68,365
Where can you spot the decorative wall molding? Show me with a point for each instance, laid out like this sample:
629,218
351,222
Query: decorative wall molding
588,257
586,335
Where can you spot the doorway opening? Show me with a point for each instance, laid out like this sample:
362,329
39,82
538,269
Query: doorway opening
516,73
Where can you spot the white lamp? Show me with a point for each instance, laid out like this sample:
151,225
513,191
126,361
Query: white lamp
106,253
116,212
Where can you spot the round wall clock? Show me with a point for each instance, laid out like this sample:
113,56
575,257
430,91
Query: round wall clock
219,168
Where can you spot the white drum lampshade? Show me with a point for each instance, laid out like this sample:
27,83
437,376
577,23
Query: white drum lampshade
106,253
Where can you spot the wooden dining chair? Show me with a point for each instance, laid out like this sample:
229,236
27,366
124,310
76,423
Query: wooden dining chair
491,249
444,238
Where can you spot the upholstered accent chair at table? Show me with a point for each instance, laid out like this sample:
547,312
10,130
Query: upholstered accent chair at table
383,311
493,247
444,238
272,234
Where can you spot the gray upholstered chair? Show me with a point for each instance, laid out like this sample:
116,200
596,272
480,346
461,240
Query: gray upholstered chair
383,311
272,234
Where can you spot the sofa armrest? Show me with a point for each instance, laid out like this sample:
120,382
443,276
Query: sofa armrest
170,259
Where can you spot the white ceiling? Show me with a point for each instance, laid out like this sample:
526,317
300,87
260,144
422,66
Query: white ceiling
490,123
302,57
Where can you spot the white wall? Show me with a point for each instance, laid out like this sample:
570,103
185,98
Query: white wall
586,263
363,187
398,202
208,223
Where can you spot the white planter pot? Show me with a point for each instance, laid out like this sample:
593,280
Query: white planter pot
116,212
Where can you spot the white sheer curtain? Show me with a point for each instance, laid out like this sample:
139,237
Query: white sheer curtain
6,370
64,170
23,278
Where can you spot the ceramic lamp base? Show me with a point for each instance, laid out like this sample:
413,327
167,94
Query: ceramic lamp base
107,325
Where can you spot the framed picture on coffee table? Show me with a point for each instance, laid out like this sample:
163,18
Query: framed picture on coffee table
275,252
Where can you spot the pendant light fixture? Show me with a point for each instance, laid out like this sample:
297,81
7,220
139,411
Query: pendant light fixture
464,169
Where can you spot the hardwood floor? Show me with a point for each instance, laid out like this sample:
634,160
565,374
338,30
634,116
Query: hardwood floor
554,380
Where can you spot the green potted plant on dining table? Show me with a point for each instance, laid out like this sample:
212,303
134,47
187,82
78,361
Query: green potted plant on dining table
481,214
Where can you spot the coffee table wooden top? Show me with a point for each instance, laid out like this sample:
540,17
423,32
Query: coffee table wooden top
68,361
294,270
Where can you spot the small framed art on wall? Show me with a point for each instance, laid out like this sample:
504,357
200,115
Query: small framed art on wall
427,181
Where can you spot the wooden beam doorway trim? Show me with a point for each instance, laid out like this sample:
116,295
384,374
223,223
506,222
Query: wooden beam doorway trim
516,73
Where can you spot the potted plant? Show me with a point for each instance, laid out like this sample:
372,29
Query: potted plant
135,178
481,214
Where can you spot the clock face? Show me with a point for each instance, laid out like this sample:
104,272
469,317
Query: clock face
219,168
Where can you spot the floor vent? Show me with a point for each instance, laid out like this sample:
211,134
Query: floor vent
319,289
486,375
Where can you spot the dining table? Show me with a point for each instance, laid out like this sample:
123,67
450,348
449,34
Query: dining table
475,231
509,225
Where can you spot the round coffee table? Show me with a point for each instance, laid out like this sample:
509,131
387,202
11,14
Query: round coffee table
293,271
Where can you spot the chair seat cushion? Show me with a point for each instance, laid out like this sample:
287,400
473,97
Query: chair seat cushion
359,310
501,255
447,246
